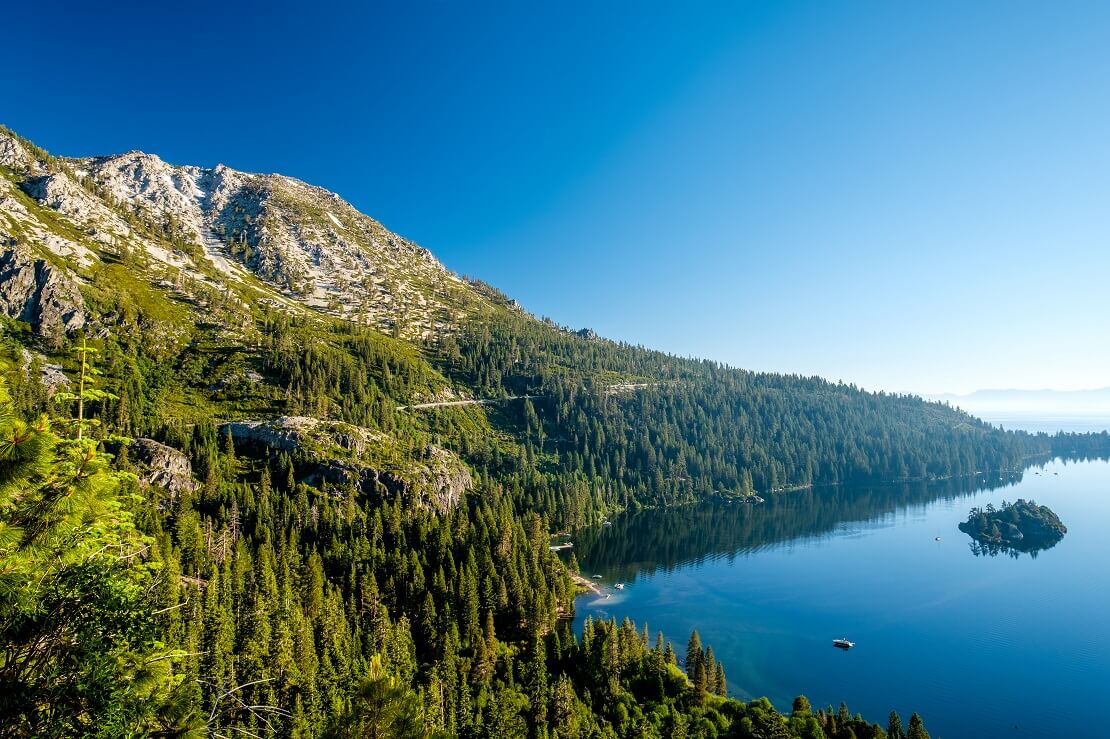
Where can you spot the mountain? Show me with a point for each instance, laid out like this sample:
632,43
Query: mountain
1038,410
272,300
284,241
1050,402
303,479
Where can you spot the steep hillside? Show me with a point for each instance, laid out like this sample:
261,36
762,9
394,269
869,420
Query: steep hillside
254,286
336,468
306,246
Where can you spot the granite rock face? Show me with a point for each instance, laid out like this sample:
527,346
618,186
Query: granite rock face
39,293
306,242
304,246
343,454
163,466
13,154
440,479
60,193
51,375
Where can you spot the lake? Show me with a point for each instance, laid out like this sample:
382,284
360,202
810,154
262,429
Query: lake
980,645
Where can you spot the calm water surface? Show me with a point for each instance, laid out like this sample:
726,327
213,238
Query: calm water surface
981,646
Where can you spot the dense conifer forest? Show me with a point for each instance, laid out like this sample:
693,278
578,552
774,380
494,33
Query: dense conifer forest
379,565
258,603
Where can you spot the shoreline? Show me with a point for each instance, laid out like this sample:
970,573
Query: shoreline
585,583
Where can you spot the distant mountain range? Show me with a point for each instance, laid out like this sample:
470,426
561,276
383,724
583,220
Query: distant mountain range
1037,410
1059,402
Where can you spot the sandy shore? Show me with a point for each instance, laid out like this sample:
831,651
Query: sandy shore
586,583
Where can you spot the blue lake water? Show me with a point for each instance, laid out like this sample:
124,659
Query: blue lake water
981,646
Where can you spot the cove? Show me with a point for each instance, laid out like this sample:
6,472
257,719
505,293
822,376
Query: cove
981,645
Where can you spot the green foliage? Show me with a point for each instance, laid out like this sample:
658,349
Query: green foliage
303,609
267,601
1022,525
612,426
86,390
79,648
382,707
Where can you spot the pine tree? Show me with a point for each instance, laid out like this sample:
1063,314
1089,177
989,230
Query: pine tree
720,682
693,654
700,680
710,671
894,728
76,628
564,719
917,728
87,379
381,708
535,681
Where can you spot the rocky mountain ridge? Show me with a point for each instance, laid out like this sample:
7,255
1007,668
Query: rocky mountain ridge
303,246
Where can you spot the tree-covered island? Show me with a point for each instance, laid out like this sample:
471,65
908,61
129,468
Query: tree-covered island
1022,525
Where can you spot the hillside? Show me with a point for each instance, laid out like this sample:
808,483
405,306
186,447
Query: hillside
296,245
231,270
347,462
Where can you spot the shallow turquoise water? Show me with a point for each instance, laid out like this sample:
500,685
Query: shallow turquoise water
981,646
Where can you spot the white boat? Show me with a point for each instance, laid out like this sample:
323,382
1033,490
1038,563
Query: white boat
843,643
619,586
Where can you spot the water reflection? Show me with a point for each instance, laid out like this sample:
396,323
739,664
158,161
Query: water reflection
993,548
662,539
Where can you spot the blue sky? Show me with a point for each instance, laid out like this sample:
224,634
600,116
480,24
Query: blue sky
912,197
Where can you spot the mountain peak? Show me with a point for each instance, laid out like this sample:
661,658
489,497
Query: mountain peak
303,244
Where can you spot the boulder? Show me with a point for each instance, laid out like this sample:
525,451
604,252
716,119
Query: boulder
51,375
163,466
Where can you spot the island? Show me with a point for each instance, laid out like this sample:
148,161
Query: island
1022,525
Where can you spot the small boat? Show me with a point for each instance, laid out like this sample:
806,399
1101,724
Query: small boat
597,577
843,643
937,539
619,586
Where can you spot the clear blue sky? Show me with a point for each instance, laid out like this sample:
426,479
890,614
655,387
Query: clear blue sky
911,196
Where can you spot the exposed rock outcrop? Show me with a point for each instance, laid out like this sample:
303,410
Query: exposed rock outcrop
39,293
51,375
215,225
13,154
440,479
303,240
60,193
306,434
163,466
340,453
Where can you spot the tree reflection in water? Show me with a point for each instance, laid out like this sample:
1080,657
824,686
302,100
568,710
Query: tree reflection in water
666,538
